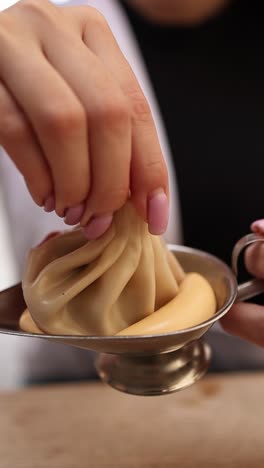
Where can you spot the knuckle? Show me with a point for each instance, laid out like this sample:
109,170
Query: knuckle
12,126
6,22
140,107
113,112
34,6
8,29
95,17
156,168
62,120
39,10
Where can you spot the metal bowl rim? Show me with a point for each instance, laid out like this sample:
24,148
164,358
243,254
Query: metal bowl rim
206,324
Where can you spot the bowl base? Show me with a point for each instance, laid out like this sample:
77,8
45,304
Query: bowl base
158,374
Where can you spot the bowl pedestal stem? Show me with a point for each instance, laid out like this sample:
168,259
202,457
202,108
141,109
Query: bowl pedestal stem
159,374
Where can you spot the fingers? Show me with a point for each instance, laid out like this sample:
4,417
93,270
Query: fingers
254,259
246,321
60,125
17,137
110,146
149,179
109,122
54,111
258,227
148,176
72,75
87,121
254,255
109,133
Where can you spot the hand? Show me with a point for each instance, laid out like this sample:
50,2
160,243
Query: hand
74,120
244,319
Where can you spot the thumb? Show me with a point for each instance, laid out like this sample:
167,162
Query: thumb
246,321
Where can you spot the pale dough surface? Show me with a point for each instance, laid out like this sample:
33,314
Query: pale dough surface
100,287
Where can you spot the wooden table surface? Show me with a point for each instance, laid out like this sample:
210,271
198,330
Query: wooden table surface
219,422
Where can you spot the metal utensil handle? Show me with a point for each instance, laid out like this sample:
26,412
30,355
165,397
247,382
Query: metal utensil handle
255,286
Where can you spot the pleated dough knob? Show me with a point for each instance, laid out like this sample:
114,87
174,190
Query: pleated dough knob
99,287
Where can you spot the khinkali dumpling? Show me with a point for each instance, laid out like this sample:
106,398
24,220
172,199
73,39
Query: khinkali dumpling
77,287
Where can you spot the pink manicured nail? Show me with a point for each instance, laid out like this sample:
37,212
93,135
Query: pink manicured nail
74,214
258,227
49,204
98,226
158,212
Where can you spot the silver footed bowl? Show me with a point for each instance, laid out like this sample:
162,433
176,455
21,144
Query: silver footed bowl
153,364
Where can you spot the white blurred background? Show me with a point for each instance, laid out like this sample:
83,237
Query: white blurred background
9,365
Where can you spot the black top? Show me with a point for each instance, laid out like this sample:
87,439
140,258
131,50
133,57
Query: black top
209,82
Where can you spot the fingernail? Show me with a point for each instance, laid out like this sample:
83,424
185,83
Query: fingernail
49,204
98,226
74,214
258,227
158,212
